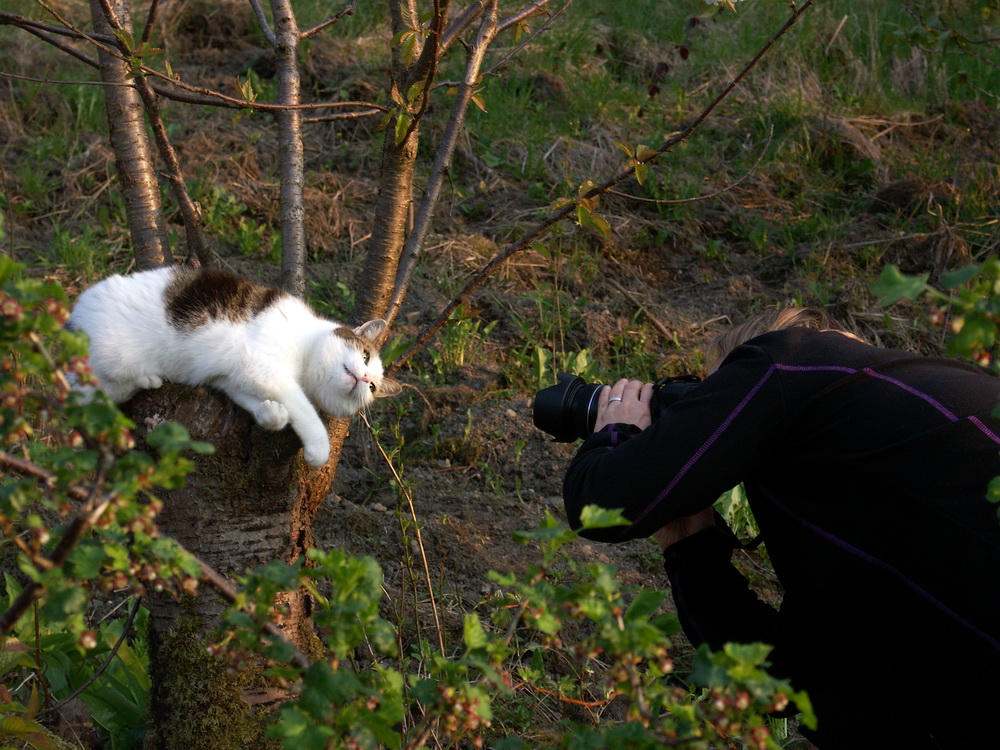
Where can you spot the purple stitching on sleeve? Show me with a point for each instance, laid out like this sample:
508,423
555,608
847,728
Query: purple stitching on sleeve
984,429
705,446
892,570
795,368
913,391
817,368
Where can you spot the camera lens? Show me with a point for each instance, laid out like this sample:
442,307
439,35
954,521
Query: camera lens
568,410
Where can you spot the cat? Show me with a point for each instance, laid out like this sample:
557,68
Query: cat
265,349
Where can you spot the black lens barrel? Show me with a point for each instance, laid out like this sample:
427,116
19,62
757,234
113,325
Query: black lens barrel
567,410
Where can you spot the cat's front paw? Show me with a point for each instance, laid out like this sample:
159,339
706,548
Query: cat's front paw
271,415
149,382
316,455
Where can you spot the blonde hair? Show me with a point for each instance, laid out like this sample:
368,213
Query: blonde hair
771,319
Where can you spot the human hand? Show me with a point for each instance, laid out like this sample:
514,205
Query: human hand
684,527
627,401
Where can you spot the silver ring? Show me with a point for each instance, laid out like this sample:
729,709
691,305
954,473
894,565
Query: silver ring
614,398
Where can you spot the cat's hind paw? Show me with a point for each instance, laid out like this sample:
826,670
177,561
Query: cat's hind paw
271,415
316,455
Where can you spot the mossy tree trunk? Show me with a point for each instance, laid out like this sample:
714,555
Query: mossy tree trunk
248,503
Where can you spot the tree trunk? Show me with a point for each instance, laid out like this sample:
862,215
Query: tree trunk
249,503
389,231
290,151
133,155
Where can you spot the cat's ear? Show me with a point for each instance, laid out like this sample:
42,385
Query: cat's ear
370,330
388,387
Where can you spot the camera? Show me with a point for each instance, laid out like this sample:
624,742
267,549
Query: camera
568,410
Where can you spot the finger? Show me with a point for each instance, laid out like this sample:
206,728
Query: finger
616,392
632,390
646,394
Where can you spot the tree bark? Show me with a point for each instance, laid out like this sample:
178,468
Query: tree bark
133,154
395,192
244,506
290,151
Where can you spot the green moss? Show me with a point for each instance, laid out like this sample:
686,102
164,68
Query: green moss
197,701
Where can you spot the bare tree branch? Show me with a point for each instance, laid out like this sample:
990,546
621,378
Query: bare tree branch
172,88
258,10
464,20
29,24
708,196
347,11
527,12
147,29
193,228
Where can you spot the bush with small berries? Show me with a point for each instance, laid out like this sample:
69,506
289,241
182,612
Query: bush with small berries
78,508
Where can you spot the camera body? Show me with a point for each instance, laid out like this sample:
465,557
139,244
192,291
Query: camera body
568,410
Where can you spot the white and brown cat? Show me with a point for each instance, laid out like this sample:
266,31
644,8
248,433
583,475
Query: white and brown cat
267,350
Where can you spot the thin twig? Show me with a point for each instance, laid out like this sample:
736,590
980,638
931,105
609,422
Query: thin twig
147,30
519,18
416,527
664,331
265,27
107,662
31,79
197,246
347,11
94,506
709,196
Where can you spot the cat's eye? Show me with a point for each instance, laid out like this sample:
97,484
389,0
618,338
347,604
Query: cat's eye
371,387
367,355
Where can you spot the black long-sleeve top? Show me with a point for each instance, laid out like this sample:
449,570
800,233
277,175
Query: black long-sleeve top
867,471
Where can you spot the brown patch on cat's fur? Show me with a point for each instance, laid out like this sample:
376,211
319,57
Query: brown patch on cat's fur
194,298
348,334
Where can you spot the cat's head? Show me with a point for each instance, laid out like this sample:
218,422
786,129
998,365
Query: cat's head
347,371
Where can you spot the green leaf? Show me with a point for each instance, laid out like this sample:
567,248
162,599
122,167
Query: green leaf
641,170
596,517
976,334
598,222
667,623
416,91
892,285
959,277
173,436
473,634
993,490
402,126
125,37
87,560
646,602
